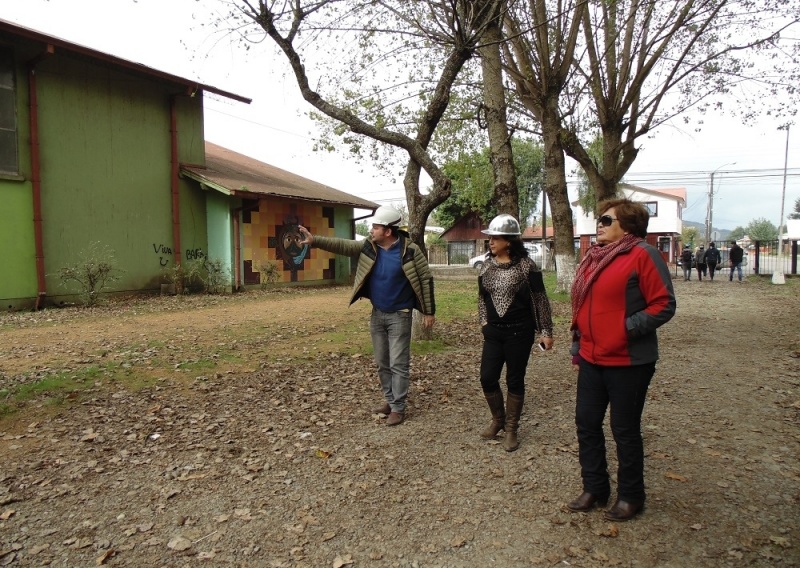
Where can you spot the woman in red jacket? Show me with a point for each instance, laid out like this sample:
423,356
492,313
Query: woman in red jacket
621,295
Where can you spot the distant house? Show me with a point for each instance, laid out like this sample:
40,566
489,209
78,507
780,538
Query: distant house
94,148
464,239
792,230
666,207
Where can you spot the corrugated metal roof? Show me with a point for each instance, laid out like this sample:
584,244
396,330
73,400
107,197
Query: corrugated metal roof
236,174
57,42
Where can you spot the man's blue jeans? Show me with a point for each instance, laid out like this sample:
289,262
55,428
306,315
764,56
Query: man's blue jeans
737,266
391,345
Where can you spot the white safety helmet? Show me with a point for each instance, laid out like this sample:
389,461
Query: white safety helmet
388,216
503,225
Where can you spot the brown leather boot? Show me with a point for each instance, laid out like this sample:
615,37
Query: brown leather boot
513,412
495,400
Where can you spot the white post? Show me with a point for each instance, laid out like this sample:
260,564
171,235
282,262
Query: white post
777,275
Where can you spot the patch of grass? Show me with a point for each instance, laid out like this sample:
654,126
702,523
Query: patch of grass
198,365
55,390
456,299
426,347
550,282
346,341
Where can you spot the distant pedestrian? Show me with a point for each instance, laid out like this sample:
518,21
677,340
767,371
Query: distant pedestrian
735,257
686,263
712,258
700,262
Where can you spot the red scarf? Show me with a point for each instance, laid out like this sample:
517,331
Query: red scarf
596,259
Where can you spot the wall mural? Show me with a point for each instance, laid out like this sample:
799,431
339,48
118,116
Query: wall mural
270,234
289,247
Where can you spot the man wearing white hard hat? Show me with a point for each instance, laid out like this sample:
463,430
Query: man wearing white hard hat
393,274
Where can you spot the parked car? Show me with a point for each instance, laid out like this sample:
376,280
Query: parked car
534,252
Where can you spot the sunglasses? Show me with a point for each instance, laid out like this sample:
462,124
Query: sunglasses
606,220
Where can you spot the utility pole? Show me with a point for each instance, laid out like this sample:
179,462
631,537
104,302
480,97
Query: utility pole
710,208
777,274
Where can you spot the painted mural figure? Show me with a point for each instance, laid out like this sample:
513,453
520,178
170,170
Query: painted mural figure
292,248
394,274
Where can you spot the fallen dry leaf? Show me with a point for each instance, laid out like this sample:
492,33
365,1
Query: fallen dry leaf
611,531
340,561
676,477
103,558
179,543
781,541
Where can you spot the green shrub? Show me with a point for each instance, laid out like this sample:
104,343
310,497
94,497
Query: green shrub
184,275
94,272
268,273
216,276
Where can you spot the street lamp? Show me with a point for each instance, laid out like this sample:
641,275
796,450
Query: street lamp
710,208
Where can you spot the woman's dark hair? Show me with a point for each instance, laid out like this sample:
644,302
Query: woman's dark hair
632,215
516,249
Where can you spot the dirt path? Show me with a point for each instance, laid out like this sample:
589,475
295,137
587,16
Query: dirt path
271,458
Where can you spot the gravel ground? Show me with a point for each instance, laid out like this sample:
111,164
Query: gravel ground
269,456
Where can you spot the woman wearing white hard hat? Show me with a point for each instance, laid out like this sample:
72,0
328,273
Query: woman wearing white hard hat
394,274
513,306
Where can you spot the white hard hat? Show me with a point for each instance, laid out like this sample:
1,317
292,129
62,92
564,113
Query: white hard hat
385,215
503,225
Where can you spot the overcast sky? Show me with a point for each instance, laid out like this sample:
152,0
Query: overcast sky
169,35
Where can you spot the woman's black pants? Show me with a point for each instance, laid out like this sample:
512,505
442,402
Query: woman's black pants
625,389
510,346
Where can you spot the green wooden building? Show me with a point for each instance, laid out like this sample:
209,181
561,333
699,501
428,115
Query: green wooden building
95,149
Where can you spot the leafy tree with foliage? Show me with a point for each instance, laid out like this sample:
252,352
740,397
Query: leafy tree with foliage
473,188
736,234
762,230
690,236
796,213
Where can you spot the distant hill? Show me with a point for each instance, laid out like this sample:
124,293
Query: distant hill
722,234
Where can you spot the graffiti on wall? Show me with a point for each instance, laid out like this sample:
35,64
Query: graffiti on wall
164,252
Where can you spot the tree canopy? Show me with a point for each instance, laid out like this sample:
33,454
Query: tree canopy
762,230
472,184
796,213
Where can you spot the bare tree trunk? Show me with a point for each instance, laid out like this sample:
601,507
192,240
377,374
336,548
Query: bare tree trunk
556,188
506,195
